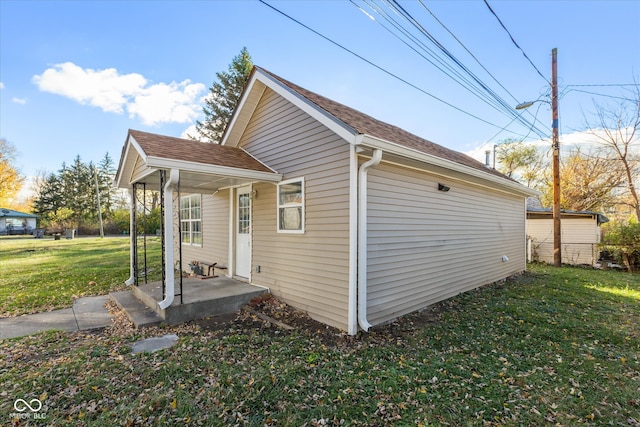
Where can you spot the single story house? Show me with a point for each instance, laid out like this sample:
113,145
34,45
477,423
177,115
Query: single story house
579,235
15,222
351,219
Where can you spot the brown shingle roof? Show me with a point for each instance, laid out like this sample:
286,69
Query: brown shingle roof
168,147
367,125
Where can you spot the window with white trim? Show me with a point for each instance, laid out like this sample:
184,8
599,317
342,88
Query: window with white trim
191,219
291,206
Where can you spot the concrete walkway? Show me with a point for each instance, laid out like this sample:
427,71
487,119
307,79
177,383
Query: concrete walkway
86,313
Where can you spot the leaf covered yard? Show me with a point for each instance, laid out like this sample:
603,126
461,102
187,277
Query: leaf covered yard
552,347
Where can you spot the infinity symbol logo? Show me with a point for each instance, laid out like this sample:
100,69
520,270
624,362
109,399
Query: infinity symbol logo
21,405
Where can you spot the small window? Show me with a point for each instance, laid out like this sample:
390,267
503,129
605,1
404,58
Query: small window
191,219
291,206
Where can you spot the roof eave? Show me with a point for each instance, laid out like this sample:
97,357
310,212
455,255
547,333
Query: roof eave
400,150
127,161
183,165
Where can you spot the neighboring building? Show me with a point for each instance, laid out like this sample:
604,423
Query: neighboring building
14,222
353,220
580,235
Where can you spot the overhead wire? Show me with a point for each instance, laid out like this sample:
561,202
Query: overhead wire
441,65
398,8
598,94
470,53
514,41
382,69
377,66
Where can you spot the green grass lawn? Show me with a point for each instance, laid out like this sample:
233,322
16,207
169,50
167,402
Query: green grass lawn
553,347
44,274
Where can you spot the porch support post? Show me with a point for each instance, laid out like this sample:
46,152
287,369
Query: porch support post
232,236
132,236
174,177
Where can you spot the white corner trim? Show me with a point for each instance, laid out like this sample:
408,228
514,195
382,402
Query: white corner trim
232,236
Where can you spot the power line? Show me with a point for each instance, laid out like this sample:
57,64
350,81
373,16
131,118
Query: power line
605,85
501,102
515,43
598,94
474,57
466,49
440,65
380,68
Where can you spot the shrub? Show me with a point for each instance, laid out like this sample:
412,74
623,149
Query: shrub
622,241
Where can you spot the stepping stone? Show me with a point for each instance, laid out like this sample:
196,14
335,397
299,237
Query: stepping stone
150,345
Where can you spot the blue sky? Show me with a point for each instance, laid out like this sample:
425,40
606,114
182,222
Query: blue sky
74,76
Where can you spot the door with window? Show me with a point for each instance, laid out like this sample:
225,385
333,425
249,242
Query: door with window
243,232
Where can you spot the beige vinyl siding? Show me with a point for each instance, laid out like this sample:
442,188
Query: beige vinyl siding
215,232
426,245
309,271
580,236
140,170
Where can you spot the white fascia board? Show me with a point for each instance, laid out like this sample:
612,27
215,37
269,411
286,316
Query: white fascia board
393,148
123,167
251,86
162,163
129,158
340,128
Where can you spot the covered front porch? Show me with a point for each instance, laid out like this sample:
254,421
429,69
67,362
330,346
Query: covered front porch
200,298
160,172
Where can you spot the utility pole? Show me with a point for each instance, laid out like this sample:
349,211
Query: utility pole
555,144
95,176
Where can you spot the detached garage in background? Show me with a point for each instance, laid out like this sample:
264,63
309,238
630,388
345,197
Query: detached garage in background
580,235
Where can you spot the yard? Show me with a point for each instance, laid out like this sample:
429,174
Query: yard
45,274
551,347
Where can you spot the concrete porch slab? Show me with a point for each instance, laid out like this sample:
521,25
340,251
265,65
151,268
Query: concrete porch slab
140,315
201,298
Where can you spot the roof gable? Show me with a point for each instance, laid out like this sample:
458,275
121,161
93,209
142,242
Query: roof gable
345,121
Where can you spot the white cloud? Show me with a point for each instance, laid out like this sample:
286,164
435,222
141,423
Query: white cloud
1,85
20,101
113,92
167,103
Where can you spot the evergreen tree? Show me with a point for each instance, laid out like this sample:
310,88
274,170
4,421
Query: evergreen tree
106,174
49,198
223,98
79,191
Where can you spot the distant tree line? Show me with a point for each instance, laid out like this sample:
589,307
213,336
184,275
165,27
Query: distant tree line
68,198
602,177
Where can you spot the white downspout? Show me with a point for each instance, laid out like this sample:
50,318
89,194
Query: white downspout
352,319
362,238
174,177
132,276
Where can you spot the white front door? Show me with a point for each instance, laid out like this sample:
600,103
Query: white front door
243,232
